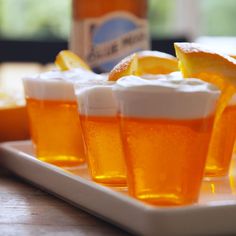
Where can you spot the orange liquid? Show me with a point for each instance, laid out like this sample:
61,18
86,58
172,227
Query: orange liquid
84,8
56,132
222,144
165,158
105,154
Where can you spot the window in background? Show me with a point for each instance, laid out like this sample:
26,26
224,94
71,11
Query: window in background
31,22
35,20
161,18
50,19
192,18
218,17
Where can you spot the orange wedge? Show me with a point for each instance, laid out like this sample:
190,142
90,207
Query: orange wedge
155,62
66,60
128,66
195,61
220,70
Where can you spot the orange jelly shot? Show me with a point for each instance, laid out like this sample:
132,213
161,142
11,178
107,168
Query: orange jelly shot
222,143
166,128
54,119
100,125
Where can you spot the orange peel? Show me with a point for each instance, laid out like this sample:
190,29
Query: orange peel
127,66
197,62
66,60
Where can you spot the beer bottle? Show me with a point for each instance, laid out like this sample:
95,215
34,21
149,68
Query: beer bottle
105,31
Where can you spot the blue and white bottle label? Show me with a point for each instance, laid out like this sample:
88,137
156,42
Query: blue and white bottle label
104,41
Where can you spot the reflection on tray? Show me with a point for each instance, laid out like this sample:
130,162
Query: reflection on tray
219,190
214,214
214,191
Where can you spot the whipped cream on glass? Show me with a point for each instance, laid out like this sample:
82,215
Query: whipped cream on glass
58,85
165,98
96,99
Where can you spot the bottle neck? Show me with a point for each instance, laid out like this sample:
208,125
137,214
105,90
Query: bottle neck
96,8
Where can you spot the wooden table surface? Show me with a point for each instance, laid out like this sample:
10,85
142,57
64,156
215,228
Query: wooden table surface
26,210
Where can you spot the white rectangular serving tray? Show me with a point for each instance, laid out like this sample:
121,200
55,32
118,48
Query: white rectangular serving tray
215,214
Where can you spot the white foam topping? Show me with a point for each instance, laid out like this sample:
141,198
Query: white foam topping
96,100
165,98
57,85
176,76
172,76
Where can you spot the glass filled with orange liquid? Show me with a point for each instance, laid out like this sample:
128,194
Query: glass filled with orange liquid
100,126
54,119
222,142
166,127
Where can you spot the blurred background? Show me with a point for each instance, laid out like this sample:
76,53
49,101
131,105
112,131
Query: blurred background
36,31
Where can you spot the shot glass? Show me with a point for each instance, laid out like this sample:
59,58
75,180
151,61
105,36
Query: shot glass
54,120
222,142
100,126
166,128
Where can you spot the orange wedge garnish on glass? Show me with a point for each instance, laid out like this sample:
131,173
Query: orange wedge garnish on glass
66,60
155,62
197,62
128,66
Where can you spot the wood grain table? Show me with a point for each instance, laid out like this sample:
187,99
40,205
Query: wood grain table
26,210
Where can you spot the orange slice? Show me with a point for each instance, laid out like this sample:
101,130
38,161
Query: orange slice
220,70
155,62
128,66
66,60
195,61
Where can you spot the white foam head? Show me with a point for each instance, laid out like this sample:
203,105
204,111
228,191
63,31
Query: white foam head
172,76
96,100
165,98
57,85
176,76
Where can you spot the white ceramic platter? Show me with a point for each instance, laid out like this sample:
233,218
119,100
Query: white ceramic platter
215,214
